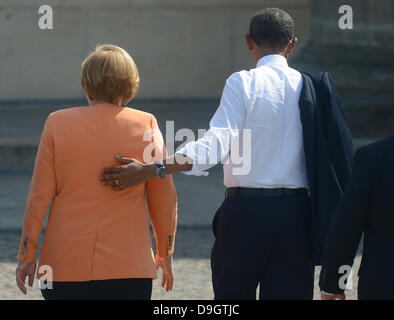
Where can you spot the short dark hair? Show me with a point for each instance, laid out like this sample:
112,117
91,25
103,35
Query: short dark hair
272,27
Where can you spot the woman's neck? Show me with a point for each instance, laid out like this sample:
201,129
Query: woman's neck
94,102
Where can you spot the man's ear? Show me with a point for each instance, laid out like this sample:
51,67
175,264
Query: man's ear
249,41
291,45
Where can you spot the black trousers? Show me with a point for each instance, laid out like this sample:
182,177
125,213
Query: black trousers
112,289
264,240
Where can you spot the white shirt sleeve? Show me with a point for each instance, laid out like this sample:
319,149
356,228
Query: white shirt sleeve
225,126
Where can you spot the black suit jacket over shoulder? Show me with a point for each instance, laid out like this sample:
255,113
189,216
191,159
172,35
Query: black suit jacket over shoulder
328,151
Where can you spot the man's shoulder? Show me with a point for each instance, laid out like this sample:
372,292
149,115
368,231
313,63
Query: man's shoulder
373,152
321,80
248,76
240,76
316,76
377,147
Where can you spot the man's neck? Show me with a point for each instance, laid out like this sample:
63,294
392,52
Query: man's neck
263,53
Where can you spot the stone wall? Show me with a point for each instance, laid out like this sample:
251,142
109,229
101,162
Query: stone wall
360,60
183,48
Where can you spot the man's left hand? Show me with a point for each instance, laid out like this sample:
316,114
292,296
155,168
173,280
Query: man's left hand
131,173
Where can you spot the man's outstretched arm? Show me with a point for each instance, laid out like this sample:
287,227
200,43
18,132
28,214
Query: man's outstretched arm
133,172
347,226
196,156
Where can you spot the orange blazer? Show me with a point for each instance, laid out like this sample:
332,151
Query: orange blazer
94,232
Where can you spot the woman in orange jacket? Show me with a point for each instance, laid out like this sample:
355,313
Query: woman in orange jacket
97,243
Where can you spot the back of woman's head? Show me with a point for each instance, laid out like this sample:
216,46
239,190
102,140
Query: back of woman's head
110,74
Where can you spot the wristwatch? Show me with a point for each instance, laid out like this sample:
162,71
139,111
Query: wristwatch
161,170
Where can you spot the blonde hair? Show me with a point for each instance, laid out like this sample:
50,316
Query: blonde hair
109,74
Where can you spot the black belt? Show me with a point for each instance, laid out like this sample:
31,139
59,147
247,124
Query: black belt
230,192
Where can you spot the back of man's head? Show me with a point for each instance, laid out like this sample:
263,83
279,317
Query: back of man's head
272,28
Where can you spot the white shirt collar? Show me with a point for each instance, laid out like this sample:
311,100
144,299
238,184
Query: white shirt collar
272,59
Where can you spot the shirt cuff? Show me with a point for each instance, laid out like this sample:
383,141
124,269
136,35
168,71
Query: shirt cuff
195,170
329,294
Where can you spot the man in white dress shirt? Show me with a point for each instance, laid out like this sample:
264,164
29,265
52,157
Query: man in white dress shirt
263,228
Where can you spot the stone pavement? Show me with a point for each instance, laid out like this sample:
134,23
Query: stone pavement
191,268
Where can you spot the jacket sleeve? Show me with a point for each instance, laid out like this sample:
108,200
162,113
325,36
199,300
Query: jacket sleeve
339,139
42,191
347,226
162,200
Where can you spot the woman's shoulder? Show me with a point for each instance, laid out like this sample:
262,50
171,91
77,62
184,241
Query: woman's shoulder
66,113
137,111
73,114
139,114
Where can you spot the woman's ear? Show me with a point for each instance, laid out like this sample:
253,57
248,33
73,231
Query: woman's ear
119,101
89,99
